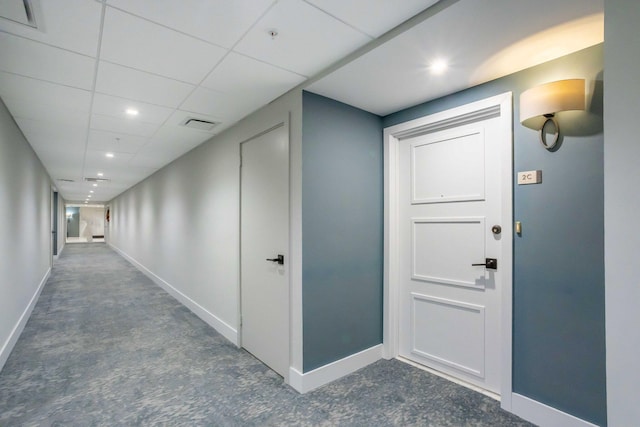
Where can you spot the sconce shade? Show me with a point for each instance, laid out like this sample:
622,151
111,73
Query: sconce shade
551,98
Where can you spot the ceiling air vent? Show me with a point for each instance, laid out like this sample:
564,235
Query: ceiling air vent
89,179
21,11
199,124
65,180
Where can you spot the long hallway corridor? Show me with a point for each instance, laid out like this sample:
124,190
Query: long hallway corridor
106,346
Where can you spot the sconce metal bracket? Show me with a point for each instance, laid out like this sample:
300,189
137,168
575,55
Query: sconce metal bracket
543,139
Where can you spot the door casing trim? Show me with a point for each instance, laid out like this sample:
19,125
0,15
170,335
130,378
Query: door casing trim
496,106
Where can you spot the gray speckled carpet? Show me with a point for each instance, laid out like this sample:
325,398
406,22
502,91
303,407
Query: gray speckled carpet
106,346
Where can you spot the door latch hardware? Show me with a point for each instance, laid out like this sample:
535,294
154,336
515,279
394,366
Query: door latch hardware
496,229
490,263
279,259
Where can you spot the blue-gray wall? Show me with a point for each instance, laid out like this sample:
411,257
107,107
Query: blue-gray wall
342,220
558,312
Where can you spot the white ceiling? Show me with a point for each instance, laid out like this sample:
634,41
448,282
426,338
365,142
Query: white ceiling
481,41
69,82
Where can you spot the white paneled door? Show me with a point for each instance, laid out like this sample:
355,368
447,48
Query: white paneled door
264,248
450,224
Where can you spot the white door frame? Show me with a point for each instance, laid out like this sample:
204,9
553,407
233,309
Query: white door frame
491,107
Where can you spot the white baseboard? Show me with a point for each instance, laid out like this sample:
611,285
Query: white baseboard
24,318
308,381
212,320
543,415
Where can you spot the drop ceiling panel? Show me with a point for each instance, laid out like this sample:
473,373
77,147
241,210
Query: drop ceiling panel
137,43
247,77
33,59
141,86
73,25
126,126
154,158
112,141
217,104
46,113
221,22
373,17
33,91
308,39
51,134
97,160
114,106
60,159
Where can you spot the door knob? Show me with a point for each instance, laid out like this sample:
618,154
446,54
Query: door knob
490,263
279,259
496,229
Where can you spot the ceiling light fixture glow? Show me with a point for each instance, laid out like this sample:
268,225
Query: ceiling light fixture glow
100,174
110,155
131,111
95,185
438,67
90,191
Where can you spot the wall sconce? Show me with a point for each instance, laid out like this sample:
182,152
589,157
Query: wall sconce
539,105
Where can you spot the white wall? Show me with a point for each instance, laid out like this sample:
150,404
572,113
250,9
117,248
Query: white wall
181,225
25,246
622,206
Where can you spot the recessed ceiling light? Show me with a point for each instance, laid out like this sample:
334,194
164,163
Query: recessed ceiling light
95,185
132,111
90,191
100,174
110,155
439,66
89,195
86,201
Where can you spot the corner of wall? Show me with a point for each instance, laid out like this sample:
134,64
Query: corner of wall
308,381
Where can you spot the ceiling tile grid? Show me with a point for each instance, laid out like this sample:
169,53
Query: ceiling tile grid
70,81
307,41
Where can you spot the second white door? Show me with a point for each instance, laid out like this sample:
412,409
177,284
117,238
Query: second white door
264,248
